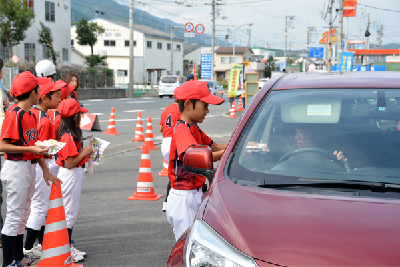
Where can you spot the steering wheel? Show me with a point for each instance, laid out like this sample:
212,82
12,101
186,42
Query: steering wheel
316,150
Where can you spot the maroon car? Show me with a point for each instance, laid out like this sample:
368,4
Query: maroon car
310,177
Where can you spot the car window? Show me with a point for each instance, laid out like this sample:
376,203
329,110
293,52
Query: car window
294,133
169,79
210,84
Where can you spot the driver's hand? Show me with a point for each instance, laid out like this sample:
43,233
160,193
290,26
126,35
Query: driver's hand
340,156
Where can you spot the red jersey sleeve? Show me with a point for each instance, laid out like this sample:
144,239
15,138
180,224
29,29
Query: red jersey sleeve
46,130
184,137
10,128
205,140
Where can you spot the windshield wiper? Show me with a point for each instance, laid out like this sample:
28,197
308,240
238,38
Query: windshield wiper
375,186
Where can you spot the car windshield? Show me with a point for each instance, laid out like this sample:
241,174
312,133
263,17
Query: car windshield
341,134
169,79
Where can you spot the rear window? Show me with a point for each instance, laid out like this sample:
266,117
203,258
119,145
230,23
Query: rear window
169,79
295,133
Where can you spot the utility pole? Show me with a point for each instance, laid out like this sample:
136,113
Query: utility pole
287,24
213,40
347,33
249,31
309,30
131,55
339,46
380,41
330,37
367,46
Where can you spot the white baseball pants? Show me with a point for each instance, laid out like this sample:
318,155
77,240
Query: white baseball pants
71,190
165,147
182,206
40,199
19,179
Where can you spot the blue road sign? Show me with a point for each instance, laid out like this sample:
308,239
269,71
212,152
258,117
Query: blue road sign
342,44
316,52
205,66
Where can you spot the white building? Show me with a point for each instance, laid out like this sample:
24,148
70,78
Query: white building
261,53
152,51
55,14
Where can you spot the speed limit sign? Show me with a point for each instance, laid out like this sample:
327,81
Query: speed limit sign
14,59
199,29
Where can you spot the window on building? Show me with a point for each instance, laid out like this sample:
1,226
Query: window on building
30,52
178,47
122,73
65,54
229,60
72,41
4,52
127,43
117,34
109,43
159,45
178,72
50,11
30,5
46,52
148,44
108,34
169,47
158,76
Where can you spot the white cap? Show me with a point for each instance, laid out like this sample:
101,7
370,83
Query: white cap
45,68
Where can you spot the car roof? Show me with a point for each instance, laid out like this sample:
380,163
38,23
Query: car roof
351,79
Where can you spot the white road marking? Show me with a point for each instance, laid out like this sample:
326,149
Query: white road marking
210,116
96,100
98,114
162,108
135,110
138,102
86,104
153,119
147,98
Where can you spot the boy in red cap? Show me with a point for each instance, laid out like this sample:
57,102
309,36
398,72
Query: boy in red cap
49,98
186,192
71,160
18,136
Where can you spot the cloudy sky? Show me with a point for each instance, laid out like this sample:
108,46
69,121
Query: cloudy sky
268,18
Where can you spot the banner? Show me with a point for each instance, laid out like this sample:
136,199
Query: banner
349,8
325,37
234,79
346,61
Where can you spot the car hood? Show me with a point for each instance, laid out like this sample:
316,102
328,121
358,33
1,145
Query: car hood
292,229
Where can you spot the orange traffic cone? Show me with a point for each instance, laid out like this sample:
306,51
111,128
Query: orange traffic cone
139,135
111,124
164,171
56,251
149,136
232,110
240,108
145,189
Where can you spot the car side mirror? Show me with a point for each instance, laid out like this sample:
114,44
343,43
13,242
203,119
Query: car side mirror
199,160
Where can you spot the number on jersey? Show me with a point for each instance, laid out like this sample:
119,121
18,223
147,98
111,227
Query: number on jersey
168,121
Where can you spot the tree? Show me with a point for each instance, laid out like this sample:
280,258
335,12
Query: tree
87,35
46,39
96,60
15,18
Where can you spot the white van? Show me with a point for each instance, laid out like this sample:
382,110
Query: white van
168,84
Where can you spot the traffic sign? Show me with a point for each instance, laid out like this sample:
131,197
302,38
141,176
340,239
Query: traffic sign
316,52
14,59
312,66
188,34
189,27
199,28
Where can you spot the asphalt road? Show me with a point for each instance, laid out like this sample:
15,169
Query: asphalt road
110,229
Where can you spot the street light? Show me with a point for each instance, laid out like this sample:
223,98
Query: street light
234,39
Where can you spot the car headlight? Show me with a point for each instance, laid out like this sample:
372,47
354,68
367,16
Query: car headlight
205,247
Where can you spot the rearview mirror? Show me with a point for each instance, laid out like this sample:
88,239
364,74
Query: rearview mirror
199,160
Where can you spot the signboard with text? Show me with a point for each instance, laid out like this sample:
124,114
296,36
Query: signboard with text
205,64
349,8
316,52
234,79
346,59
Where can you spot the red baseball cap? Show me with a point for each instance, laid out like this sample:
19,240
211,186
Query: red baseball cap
70,107
65,88
196,90
47,88
25,82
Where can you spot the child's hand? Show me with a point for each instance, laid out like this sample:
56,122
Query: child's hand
40,150
87,150
48,177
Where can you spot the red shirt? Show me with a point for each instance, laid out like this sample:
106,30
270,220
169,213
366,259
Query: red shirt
44,126
55,118
74,95
169,118
20,128
71,149
11,107
185,136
